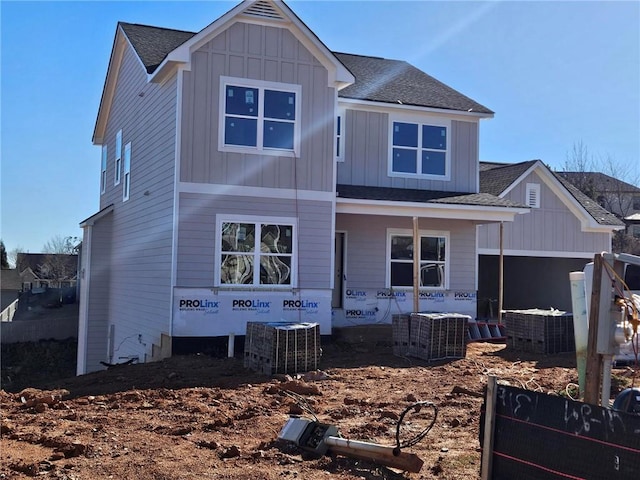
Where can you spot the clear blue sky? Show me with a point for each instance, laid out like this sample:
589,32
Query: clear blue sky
555,73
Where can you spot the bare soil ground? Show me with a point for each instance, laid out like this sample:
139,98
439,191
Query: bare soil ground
198,417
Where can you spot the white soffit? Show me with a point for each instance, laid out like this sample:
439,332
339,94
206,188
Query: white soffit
429,210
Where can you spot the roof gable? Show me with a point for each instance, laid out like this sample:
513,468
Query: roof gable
499,179
271,12
161,49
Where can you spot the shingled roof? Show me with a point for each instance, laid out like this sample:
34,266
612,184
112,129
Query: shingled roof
398,82
153,44
495,178
377,79
600,182
423,196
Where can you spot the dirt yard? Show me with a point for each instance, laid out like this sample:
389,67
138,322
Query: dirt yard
197,417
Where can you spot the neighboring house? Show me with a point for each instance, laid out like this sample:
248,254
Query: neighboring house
47,270
620,198
10,288
563,231
251,174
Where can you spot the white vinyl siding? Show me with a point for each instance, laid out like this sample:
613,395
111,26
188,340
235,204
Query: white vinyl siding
127,172
103,171
118,159
259,117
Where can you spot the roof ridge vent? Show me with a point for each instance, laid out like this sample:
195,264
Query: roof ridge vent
263,9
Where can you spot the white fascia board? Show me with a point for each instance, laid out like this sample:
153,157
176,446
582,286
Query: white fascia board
602,228
536,253
339,75
428,210
89,222
108,91
368,105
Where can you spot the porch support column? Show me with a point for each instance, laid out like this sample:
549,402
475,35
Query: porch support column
501,273
416,266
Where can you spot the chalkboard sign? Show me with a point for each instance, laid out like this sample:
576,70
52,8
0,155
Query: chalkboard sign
544,437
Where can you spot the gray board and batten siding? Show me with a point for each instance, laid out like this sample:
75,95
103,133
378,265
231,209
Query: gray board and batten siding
366,237
550,228
142,236
367,154
263,53
99,293
197,235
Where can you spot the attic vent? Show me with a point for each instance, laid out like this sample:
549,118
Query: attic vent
263,9
533,195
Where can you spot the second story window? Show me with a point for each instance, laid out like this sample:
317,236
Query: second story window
340,137
103,171
259,117
118,157
127,172
419,149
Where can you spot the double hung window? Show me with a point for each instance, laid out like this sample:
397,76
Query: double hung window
419,149
127,172
340,137
118,157
103,171
259,117
432,254
256,253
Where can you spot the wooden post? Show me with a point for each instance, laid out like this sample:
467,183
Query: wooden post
416,266
501,274
594,362
489,427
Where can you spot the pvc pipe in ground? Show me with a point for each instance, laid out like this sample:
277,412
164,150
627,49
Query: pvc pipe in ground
580,324
381,454
232,341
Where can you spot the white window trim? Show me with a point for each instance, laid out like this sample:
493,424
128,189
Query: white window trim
339,153
126,187
223,218
261,85
532,188
118,158
420,121
103,171
422,233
